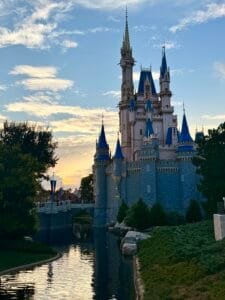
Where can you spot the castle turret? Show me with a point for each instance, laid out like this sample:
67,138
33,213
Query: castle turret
127,92
102,159
188,176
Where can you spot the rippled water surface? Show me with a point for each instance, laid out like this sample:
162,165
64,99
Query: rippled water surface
88,270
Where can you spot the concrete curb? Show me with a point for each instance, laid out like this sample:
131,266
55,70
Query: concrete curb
28,266
138,283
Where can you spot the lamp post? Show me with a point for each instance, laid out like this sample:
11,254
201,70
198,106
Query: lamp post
53,182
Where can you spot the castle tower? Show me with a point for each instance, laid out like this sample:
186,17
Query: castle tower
102,159
165,95
127,92
188,176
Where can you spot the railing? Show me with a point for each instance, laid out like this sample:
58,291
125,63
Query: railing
53,207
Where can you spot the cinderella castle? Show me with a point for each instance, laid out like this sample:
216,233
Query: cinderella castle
154,159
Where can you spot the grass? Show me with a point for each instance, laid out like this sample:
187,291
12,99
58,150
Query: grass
183,262
19,252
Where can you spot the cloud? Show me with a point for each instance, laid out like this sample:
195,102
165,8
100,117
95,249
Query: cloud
211,12
110,4
169,45
36,72
219,68
3,87
177,103
41,78
2,119
69,44
114,94
214,117
143,28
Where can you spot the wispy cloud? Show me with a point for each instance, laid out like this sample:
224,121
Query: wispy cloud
114,94
219,68
168,44
34,71
110,4
212,11
68,44
3,87
220,117
41,78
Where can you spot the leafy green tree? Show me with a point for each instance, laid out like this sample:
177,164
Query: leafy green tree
122,212
210,162
18,186
32,140
86,188
157,215
138,216
193,213
26,152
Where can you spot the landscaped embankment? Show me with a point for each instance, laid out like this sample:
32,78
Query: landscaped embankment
16,253
183,262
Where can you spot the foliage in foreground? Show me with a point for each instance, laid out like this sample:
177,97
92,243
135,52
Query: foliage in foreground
138,216
123,209
210,162
183,262
26,152
87,188
193,213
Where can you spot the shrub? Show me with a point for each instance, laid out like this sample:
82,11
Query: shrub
138,216
174,218
157,215
123,209
193,213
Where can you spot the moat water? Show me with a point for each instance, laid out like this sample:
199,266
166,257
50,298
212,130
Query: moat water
92,269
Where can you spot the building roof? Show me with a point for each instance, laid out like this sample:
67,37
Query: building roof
185,136
146,74
102,139
163,68
118,153
149,129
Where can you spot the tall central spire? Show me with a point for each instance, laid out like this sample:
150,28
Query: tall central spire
126,40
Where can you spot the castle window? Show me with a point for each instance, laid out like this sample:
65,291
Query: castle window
182,178
141,132
148,189
148,168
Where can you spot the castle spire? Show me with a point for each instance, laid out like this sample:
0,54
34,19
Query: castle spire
163,68
126,38
118,153
185,136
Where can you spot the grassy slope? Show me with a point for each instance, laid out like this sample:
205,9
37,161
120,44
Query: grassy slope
183,262
17,253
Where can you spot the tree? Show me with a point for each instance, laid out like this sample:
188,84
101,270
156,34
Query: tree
123,209
18,187
26,152
138,216
210,163
157,215
193,213
32,140
86,188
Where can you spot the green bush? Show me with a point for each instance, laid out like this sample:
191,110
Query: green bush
123,209
157,215
138,216
193,213
174,218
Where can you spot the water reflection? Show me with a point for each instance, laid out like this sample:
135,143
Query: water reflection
89,270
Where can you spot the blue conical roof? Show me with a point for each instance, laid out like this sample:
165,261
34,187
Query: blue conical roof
149,129
102,139
163,68
118,153
146,74
185,136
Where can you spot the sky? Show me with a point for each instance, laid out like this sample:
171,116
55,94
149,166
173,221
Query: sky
59,66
